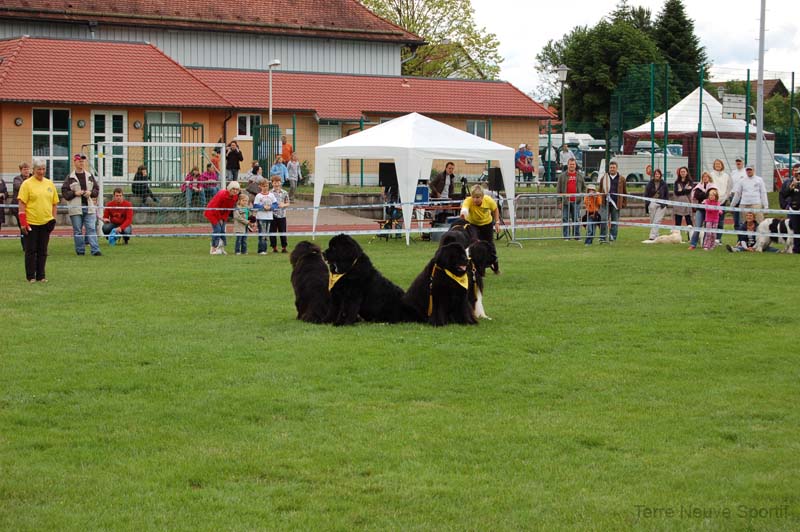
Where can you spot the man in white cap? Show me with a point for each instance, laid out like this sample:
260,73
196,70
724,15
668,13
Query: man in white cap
737,174
751,193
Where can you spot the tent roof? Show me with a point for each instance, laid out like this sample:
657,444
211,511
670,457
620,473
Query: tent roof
418,132
683,117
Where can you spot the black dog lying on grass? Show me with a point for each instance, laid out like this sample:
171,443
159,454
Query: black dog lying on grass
310,282
358,289
440,293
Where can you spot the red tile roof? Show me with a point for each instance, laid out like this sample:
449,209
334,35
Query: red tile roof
339,19
348,97
98,72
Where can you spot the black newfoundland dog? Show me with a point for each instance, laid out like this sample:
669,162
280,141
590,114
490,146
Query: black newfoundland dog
310,282
440,293
481,256
358,289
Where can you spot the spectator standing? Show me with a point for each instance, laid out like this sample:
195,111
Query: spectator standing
724,186
80,190
295,172
611,184
217,212
699,195
737,174
262,204
656,189
712,219
571,182
790,201
118,215
24,173
591,203
751,193
254,179
242,223
482,213
286,150
564,156
682,191
141,185
442,184
38,202
279,169
280,200
233,156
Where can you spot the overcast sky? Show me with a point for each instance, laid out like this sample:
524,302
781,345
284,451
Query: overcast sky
727,28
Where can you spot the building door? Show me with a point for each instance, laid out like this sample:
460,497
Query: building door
163,162
329,133
110,162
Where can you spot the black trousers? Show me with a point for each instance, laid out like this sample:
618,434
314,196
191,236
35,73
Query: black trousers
794,223
19,226
486,233
36,250
278,226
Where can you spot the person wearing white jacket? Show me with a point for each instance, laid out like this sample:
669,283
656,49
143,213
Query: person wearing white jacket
737,174
725,187
751,193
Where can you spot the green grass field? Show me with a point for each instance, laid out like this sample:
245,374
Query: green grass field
618,387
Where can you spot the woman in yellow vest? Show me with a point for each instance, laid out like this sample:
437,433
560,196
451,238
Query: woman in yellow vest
481,212
38,201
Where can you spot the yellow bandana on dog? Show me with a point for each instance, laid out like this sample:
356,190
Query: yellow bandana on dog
332,278
462,280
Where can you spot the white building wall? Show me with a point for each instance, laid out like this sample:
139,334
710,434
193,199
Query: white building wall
235,50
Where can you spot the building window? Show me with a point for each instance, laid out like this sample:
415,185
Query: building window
51,140
477,127
247,124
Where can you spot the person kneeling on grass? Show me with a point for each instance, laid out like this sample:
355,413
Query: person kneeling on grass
118,217
482,213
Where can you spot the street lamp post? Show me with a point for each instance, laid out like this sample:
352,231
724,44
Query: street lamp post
274,63
562,78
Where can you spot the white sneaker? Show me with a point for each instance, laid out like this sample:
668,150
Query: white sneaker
213,251
222,251
237,253
217,251
262,252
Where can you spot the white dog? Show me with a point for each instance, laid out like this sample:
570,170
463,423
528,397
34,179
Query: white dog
775,226
674,237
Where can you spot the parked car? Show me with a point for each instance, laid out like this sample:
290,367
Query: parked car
676,150
645,146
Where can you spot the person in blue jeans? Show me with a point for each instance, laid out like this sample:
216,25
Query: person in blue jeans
611,185
699,194
569,182
80,190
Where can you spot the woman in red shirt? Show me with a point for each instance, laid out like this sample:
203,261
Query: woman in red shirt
217,212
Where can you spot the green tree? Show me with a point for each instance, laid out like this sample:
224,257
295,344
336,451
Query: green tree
674,35
456,46
777,115
598,58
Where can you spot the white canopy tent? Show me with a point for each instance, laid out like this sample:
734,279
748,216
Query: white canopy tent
722,138
413,141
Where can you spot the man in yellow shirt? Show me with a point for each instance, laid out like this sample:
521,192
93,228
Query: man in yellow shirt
482,213
38,202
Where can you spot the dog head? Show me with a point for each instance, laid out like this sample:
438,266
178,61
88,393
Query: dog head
342,253
481,256
302,250
452,257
